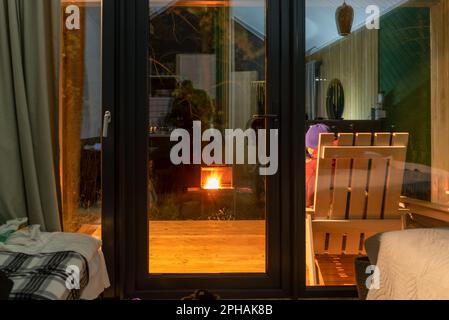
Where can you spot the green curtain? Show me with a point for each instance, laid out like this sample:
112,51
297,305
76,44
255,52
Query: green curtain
28,111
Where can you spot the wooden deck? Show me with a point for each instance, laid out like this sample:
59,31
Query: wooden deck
207,247
222,247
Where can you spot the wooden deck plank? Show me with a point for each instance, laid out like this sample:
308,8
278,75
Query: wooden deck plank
207,247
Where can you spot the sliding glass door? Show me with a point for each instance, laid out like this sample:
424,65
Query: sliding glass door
208,149
175,126
88,110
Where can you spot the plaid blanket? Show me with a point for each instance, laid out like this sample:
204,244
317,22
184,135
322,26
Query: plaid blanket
45,276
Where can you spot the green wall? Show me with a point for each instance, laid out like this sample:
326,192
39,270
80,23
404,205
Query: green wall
404,77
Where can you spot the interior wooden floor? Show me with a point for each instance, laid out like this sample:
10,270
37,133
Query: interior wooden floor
336,270
222,247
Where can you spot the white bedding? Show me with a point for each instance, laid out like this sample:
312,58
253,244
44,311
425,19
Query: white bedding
98,277
32,241
413,264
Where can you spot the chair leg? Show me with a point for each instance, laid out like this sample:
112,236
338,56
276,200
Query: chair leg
319,275
310,253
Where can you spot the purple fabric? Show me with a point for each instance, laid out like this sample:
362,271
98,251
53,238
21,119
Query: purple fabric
313,134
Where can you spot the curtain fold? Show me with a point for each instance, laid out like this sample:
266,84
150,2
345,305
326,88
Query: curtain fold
28,111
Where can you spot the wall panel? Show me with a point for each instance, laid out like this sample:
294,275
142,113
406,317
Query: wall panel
353,60
439,30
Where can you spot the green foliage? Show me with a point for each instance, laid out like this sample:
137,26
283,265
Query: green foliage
166,209
190,105
223,214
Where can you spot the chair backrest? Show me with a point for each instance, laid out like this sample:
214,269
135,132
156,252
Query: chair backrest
360,176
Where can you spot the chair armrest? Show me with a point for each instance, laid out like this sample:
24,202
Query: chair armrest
426,209
310,211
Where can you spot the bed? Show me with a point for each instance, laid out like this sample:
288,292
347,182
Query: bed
53,266
412,264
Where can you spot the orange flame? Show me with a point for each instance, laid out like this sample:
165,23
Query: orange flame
212,183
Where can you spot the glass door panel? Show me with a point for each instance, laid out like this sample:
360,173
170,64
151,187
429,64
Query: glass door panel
374,81
207,76
80,116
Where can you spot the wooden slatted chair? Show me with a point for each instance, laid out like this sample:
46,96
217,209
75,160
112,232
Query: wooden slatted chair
357,193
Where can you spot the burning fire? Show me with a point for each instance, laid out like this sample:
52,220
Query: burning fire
212,183
216,178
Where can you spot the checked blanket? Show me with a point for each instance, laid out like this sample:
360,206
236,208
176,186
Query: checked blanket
45,276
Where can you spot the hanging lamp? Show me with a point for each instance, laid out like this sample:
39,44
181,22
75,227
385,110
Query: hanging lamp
344,17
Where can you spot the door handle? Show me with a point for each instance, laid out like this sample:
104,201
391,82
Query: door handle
107,119
255,117
265,116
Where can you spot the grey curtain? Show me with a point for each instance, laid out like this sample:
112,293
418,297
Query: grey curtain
311,89
28,111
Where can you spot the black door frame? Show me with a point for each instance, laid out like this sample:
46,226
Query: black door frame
125,39
109,150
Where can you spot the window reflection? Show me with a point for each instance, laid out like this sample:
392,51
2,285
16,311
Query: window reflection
372,88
